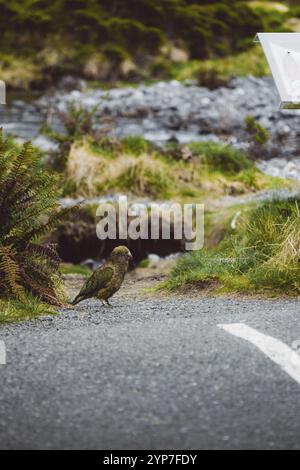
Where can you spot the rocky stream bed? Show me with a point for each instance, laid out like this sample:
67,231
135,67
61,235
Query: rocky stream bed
167,111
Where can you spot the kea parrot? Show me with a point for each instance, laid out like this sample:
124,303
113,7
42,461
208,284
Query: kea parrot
108,278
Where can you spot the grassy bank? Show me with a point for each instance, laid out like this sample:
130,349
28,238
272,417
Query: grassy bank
261,255
138,168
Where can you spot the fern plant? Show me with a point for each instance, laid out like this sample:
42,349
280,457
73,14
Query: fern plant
28,212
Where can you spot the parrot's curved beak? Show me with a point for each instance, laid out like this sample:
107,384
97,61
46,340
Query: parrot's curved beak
130,259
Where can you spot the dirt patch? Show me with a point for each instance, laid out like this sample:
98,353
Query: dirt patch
136,284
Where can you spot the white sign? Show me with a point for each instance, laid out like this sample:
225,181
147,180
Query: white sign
282,51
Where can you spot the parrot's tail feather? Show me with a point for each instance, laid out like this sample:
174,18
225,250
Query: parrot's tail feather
77,299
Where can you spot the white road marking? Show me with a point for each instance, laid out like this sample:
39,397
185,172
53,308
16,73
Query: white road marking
277,351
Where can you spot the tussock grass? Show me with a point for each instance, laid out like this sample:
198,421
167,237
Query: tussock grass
135,166
262,255
95,173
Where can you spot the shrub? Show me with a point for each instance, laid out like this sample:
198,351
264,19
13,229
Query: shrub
77,122
115,53
144,263
28,211
221,157
249,178
259,135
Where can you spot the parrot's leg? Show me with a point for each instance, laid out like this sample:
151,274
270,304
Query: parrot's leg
107,303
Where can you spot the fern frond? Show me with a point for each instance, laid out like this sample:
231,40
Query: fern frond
10,271
54,220
47,252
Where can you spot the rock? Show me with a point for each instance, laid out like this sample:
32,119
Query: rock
153,258
44,143
89,263
282,129
290,167
69,83
205,101
281,168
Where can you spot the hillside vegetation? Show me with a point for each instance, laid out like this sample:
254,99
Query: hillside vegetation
132,39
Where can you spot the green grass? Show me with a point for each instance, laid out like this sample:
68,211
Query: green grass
144,263
144,180
216,72
261,256
269,6
112,147
67,268
135,145
13,311
222,157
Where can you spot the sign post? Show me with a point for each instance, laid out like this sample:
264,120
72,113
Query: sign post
282,51
2,92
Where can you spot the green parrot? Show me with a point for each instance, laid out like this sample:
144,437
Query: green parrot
107,279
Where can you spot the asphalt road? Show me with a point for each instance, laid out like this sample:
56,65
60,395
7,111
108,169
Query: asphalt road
150,374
